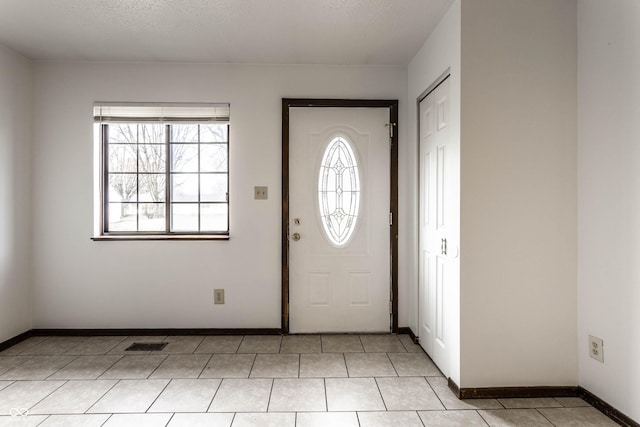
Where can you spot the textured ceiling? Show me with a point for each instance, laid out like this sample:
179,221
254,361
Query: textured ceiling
234,31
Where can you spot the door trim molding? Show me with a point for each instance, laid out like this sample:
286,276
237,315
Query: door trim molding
392,105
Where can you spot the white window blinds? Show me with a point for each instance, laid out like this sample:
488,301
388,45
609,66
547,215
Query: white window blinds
110,112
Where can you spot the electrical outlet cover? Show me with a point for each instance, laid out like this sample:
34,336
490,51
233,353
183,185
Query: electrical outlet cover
218,296
596,348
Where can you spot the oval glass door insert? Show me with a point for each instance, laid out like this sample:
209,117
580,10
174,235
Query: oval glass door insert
339,191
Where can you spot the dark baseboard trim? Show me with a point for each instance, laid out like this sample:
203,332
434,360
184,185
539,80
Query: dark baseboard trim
606,409
517,392
153,332
408,331
15,340
453,387
511,392
520,392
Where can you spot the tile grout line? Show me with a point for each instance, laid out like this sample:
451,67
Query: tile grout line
253,363
436,393
214,396
159,394
116,382
205,366
326,395
544,416
121,356
381,395
239,345
346,367
392,365
52,391
62,367
169,420
270,394
483,419
164,359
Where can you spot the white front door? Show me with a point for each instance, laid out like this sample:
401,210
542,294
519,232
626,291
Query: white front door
439,229
339,204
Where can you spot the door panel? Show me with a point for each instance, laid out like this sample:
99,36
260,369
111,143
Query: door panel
339,285
438,240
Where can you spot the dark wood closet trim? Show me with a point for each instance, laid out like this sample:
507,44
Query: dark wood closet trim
408,331
392,105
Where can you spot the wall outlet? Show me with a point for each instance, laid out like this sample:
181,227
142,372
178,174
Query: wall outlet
218,296
260,193
596,348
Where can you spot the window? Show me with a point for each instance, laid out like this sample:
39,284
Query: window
164,170
339,191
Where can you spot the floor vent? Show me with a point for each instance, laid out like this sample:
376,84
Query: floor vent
147,346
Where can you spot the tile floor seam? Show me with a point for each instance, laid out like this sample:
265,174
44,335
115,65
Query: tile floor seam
326,399
205,365
61,368
545,417
270,394
214,395
240,345
170,418
116,382
483,419
158,366
436,394
381,395
52,391
419,417
200,342
72,347
392,365
346,367
156,398
253,364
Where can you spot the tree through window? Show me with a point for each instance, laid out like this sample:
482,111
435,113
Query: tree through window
164,169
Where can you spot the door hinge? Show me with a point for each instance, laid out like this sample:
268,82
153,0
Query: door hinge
390,218
390,126
390,307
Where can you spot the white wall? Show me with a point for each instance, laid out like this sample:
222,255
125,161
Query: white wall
15,141
609,199
518,193
79,283
441,52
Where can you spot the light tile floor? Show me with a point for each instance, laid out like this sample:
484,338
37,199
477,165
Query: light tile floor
240,381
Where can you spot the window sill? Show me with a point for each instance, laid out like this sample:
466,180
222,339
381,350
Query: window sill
161,237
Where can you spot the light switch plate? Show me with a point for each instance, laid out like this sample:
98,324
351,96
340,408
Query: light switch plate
218,296
261,193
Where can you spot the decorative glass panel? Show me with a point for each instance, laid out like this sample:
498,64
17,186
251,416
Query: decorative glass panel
339,191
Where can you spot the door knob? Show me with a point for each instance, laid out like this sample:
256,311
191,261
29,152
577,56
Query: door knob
295,236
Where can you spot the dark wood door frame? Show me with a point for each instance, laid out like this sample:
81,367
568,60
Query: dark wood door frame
392,105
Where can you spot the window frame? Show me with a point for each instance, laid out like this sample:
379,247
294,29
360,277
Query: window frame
103,232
